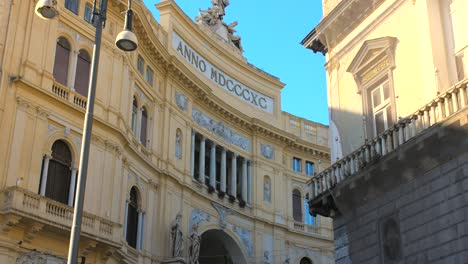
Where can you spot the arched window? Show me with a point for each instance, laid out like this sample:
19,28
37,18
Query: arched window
62,59
144,126
59,173
305,260
82,73
134,115
132,219
297,205
178,144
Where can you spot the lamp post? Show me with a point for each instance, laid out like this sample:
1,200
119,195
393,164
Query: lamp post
126,41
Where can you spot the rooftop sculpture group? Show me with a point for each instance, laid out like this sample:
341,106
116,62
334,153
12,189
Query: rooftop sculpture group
213,19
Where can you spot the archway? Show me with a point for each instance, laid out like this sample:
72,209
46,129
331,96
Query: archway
217,247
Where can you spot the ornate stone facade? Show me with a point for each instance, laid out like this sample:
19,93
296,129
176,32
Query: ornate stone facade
157,110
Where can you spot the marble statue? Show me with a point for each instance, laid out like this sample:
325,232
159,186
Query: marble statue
236,40
267,190
195,241
177,236
220,5
178,145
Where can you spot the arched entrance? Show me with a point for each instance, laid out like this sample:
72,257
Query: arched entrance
217,247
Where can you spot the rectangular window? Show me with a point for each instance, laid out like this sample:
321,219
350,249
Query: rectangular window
297,166
309,168
72,5
140,64
88,14
149,76
381,108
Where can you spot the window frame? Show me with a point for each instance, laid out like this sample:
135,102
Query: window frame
297,199
374,63
79,60
298,161
149,70
306,170
56,69
68,6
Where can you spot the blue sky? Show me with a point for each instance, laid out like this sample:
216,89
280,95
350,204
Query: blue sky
271,35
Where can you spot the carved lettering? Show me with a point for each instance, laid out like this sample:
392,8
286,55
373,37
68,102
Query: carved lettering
221,79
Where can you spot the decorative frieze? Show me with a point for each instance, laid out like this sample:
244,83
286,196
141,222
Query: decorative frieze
220,130
223,212
199,216
35,257
246,238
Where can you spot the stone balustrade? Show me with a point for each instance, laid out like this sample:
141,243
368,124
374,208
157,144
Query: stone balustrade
38,208
67,94
446,104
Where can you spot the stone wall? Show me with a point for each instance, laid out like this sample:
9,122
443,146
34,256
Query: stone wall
409,207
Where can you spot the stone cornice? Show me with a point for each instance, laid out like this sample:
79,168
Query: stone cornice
341,21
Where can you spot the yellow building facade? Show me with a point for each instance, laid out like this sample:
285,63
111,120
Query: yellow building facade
186,134
411,50
397,75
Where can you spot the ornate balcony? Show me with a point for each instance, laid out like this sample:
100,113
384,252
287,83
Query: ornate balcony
18,204
439,110
68,95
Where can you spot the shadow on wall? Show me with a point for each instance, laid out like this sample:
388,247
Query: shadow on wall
407,206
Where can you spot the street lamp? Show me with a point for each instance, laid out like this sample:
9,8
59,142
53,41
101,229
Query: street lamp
45,9
126,41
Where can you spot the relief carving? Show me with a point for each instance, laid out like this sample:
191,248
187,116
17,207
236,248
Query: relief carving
245,237
267,151
220,130
181,101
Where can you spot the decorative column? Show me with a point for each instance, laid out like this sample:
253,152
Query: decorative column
140,229
244,179
45,171
192,157
462,95
223,170
138,129
233,189
249,182
448,110
72,73
201,165
213,165
71,192
125,220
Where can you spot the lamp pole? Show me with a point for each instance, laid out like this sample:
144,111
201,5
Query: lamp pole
126,41
86,140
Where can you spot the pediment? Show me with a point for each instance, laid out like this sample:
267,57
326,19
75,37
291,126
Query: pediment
370,50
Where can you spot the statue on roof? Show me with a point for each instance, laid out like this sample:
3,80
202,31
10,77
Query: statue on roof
221,6
213,19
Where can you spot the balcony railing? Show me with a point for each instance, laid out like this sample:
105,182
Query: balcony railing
434,112
311,229
69,95
39,208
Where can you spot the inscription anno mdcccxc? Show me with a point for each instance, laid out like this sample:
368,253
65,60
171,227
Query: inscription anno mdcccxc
222,80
